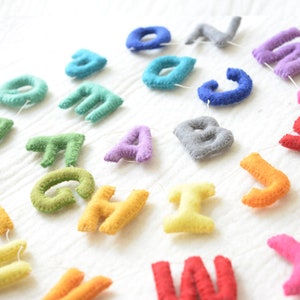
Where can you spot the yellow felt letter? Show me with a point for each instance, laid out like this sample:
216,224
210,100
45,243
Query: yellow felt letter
116,214
188,197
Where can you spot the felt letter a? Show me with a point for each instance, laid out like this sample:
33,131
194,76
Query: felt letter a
136,145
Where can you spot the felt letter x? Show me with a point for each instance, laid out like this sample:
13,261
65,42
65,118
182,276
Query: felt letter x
289,248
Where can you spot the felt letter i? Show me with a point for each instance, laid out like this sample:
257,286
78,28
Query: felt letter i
188,217
136,145
116,214
195,281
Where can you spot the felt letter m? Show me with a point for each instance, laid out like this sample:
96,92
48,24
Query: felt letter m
196,282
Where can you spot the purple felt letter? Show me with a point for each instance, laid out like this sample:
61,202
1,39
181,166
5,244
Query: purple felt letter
136,145
287,57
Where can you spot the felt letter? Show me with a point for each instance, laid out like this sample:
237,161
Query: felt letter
288,248
203,137
135,40
116,214
92,95
64,196
287,57
69,287
51,145
182,67
136,145
276,182
207,92
220,39
292,141
5,127
5,221
13,95
85,63
12,270
195,281
188,197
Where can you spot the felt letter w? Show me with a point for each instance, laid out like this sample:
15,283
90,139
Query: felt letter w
195,281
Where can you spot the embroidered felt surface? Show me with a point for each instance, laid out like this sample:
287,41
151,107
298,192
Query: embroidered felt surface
64,196
5,221
196,282
188,218
182,67
136,39
12,95
89,95
287,56
12,269
5,127
288,247
220,39
115,214
276,183
136,145
203,137
85,63
208,94
51,145
69,287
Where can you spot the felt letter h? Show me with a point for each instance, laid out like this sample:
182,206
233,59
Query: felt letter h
116,214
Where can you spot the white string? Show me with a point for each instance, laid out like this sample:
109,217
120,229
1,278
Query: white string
182,86
19,253
24,105
237,45
293,81
207,110
7,235
267,65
